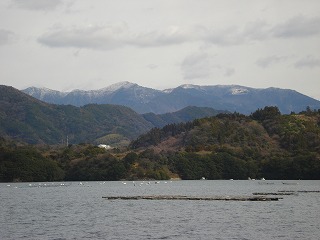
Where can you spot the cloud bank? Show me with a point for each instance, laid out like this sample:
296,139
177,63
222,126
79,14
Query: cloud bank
111,36
106,37
270,60
297,27
308,62
160,43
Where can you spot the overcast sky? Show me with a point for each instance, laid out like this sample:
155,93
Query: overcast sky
91,44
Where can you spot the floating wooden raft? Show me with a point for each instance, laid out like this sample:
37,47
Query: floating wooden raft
284,192
178,197
310,191
300,191
275,193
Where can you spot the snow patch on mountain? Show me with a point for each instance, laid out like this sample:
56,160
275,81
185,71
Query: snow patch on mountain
239,91
41,93
189,86
168,90
117,86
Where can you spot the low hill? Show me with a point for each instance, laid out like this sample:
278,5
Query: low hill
266,129
186,114
264,144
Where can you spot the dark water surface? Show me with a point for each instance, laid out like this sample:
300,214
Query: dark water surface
78,211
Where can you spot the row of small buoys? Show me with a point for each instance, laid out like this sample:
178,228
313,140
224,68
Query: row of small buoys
144,183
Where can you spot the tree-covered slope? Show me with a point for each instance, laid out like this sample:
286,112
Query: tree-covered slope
25,118
265,144
184,115
21,162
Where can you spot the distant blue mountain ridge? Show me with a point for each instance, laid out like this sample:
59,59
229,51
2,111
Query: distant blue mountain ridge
233,98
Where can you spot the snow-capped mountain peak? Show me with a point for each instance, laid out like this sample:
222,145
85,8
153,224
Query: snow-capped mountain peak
188,86
40,93
117,86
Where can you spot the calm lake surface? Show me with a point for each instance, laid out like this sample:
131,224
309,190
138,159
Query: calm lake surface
74,210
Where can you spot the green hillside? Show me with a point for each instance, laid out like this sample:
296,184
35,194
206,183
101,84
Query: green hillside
265,144
27,119
184,115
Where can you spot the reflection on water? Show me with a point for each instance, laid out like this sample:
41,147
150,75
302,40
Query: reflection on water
76,210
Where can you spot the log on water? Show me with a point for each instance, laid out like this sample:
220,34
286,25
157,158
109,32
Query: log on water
309,191
178,197
299,191
274,193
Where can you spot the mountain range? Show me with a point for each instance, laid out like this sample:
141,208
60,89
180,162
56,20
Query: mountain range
232,98
30,120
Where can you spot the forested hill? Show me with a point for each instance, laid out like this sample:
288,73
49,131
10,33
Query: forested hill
27,119
265,129
264,144
184,115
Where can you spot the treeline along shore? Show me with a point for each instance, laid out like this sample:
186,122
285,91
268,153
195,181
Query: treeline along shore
265,144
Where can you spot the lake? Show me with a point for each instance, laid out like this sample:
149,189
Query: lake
77,210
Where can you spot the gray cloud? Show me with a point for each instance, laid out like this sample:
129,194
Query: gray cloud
42,5
117,35
235,35
270,60
308,62
111,37
258,30
224,37
169,36
297,27
6,37
92,37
